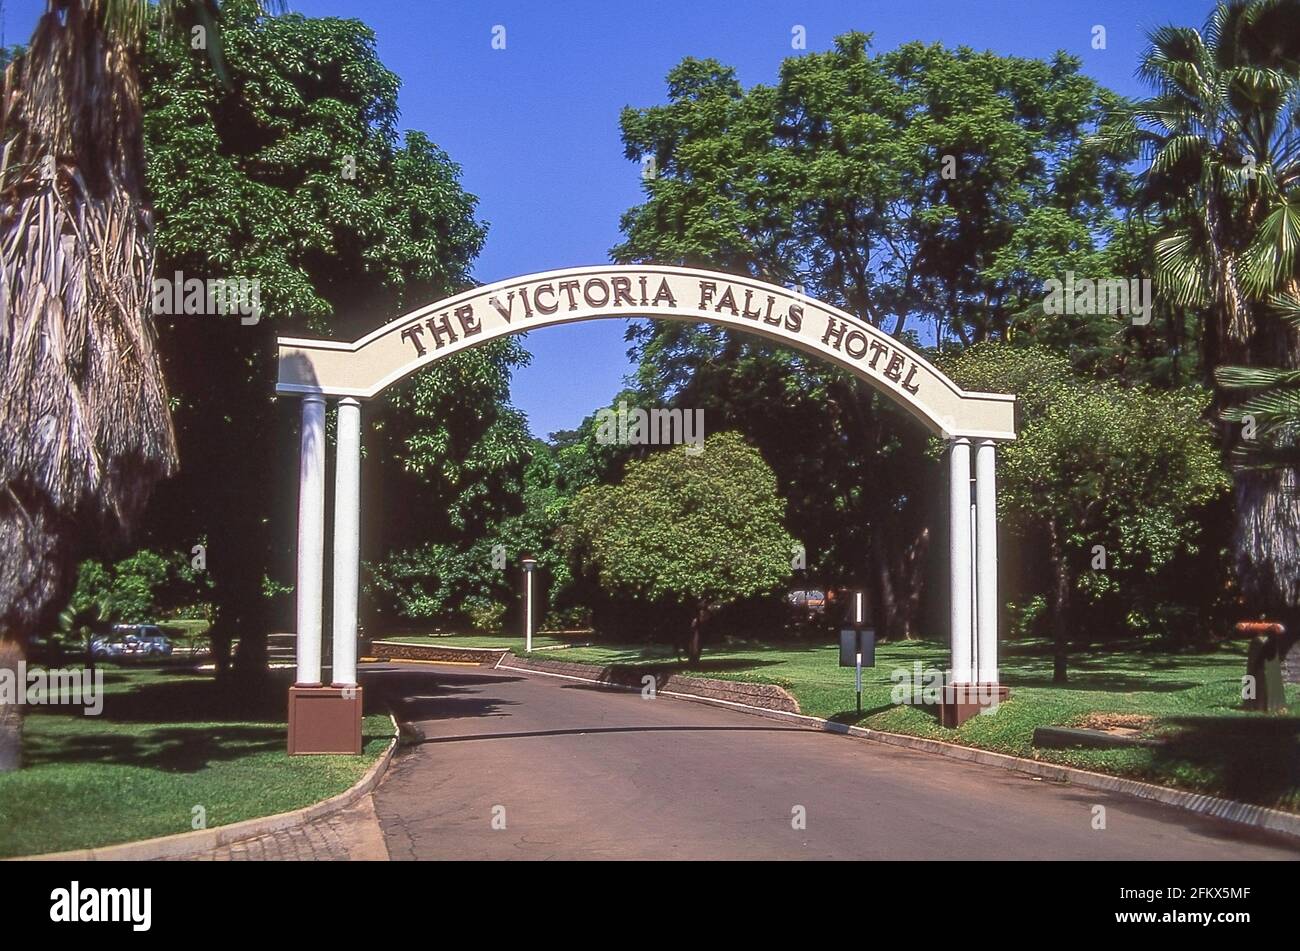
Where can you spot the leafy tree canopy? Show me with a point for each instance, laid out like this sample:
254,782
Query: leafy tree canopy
918,188
696,527
924,182
292,174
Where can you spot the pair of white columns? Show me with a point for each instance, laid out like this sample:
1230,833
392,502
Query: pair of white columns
974,549
311,541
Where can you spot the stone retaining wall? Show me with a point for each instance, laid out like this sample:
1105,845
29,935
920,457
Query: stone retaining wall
769,696
392,650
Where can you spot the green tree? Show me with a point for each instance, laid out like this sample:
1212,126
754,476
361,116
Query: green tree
1110,477
919,188
1161,350
457,573
700,528
141,588
91,609
293,175
1223,136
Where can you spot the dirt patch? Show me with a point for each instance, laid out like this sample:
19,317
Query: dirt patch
1119,724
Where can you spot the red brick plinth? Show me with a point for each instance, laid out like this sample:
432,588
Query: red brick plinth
324,720
959,702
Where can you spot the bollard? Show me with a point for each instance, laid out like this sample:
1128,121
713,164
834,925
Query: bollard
1264,664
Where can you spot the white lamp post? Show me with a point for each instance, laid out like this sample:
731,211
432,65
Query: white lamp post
530,567
859,618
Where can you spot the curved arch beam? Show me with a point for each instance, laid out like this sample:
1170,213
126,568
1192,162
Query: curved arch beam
379,359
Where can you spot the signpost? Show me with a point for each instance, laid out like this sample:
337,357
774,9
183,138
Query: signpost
530,567
858,644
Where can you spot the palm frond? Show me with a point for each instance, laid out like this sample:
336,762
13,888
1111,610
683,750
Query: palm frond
1180,269
1287,305
1253,378
1271,256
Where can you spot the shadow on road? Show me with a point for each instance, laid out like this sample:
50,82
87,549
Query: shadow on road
422,695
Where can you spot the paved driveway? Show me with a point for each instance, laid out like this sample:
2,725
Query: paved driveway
515,765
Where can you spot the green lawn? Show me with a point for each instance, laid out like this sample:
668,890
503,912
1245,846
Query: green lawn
1212,745
164,744
193,627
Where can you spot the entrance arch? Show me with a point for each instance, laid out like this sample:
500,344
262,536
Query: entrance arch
317,370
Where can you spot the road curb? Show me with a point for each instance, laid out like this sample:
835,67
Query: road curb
1229,810
204,840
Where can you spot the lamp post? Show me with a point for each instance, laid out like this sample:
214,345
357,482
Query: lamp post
858,643
530,567
859,616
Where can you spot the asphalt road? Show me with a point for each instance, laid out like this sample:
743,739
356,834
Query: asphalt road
525,766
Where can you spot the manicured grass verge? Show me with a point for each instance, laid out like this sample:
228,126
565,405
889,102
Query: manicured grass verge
165,743
192,634
185,627
1211,744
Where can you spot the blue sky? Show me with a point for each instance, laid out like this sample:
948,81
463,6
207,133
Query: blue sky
535,126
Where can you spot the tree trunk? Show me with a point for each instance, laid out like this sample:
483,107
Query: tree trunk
11,714
911,562
219,637
1060,606
697,635
1267,539
899,540
1234,320
225,492
884,614
898,579
240,546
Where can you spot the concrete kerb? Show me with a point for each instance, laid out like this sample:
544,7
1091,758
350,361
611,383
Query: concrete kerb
1229,810
204,840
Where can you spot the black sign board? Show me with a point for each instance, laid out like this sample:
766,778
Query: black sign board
849,647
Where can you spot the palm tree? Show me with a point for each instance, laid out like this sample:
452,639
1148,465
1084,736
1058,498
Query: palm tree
84,418
1223,136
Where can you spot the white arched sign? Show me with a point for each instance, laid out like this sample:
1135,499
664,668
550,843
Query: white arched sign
327,718
365,367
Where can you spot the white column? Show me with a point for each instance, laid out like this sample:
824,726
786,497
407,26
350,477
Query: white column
347,541
986,576
960,558
528,612
974,592
530,568
311,539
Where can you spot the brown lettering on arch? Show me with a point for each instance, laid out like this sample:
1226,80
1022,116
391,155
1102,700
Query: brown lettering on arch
364,368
